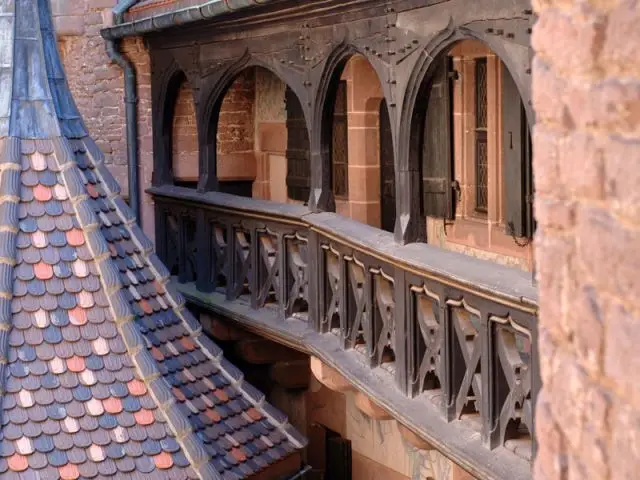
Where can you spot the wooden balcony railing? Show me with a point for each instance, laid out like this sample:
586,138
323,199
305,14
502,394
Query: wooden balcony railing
455,334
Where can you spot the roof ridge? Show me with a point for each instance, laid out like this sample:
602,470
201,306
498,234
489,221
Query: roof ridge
123,315
9,165
70,121
32,113
213,351
36,102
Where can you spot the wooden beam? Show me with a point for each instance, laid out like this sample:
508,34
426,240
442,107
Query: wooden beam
330,377
292,374
260,351
285,468
413,439
221,330
370,408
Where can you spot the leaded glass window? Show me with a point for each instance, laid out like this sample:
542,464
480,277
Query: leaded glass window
481,154
340,151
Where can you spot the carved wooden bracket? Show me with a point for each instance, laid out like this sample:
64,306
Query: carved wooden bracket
259,351
293,374
221,330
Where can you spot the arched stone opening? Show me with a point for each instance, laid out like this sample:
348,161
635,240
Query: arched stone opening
184,137
356,134
261,139
470,139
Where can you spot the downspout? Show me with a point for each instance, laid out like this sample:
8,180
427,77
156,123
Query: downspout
131,120
120,9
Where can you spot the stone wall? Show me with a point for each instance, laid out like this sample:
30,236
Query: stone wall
235,125
185,136
235,134
586,79
378,449
364,94
271,137
98,89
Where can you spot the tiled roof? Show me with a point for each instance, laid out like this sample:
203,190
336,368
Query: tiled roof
104,373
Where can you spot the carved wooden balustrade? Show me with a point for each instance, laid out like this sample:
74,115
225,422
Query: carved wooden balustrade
450,331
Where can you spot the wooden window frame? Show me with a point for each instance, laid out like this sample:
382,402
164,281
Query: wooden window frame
471,229
340,191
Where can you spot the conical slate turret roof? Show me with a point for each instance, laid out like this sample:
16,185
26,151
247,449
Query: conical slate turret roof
103,372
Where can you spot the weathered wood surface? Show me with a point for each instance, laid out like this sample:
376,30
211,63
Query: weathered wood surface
306,44
445,342
427,327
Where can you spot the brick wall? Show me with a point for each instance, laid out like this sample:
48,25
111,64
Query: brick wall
586,79
235,126
185,136
270,126
235,135
98,88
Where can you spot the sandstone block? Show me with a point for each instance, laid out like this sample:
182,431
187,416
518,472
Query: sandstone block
69,25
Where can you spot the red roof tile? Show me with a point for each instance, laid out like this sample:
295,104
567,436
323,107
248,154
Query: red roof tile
74,387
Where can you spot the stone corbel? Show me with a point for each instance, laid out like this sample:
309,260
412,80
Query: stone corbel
330,377
370,408
413,439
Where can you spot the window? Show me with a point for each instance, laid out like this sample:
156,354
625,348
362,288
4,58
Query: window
298,174
339,147
481,152
476,157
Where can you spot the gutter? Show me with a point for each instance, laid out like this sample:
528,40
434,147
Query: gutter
131,120
210,9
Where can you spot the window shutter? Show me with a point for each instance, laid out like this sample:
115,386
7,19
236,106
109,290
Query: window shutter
338,459
339,147
298,156
516,154
437,160
387,171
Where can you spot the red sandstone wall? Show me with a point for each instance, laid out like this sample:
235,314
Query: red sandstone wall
98,88
235,126
235,135
185,136
364,94
270,125
587,170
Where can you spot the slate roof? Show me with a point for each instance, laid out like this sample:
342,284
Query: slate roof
103,371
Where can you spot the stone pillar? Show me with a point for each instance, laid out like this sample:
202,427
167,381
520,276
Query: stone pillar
586,95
